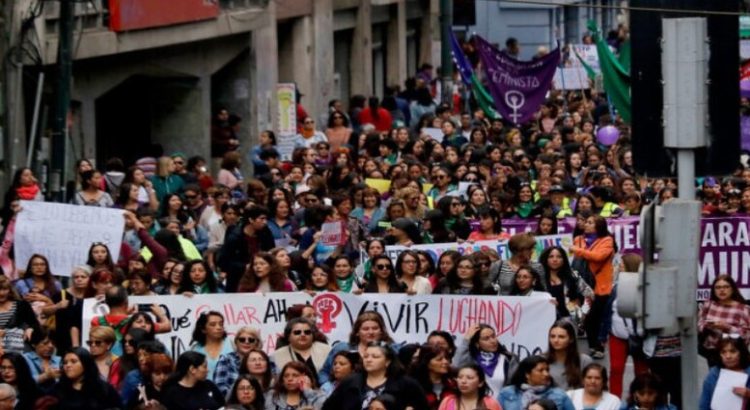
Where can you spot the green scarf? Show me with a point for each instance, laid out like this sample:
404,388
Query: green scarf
346,284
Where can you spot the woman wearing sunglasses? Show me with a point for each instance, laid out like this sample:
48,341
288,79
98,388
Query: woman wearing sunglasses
384,277
302,347
101,340
228,366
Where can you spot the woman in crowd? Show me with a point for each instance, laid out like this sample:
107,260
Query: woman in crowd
16,315
100,343
228,367
259,366
490,226
91,193
210,340
464,280
295,387
647,392
165,181
527,283
564,284
502,272
594,395
246,393
69,309
472,391
531,381
724,313
344,365
281,222
368,328
198,279
15,371
384,279
374,247
382,374
370,213
43,363
146,193
596,247
734,357
321,280
99,257
407,271
565,363
447,262
172,280
455,221
480,346
38,276
189,386
432,370
264,276
302,347
81,387
160,367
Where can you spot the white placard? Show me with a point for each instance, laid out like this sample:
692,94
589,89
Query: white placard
332,233
522,322
571,78
64,233
287,126
434,133
588,54
724,398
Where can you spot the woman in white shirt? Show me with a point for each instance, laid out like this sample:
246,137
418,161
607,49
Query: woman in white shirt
407,271
594,394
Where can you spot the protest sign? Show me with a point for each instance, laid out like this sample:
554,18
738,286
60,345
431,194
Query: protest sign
521,322
287,126
434,133
379,184
333,233
466,248
64,233
588,54
572,78
724,245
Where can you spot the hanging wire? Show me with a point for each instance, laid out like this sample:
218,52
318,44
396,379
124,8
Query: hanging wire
627,8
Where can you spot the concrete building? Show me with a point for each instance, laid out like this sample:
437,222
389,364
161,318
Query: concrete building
158,78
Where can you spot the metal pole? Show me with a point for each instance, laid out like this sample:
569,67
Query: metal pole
35,119
446,60
64,76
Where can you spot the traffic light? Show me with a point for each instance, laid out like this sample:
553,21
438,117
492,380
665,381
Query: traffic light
721,156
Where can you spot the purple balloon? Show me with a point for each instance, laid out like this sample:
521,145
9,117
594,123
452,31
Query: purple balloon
608,135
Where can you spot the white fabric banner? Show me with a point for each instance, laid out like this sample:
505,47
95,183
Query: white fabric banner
64,233
521,322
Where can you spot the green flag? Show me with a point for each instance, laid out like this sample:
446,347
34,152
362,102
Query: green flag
483,97
616,77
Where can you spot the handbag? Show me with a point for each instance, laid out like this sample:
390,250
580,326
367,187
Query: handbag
581,266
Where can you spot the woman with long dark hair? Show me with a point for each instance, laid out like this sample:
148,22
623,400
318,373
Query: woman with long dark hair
647,392
724,313
531,381
15,371
432,370
407,271
472,391
246,393
198,278
295,387
565,363
99,257
258,365
464,280
382,374
38,276
384,278
80,387
734,357
596,247
16,314
563,283
264,275
452,209
490,226
189,388
210,340
91,193
446,263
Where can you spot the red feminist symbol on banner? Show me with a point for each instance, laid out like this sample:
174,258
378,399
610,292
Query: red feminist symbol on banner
328,307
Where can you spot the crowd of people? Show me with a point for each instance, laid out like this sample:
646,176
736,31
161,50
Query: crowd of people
189,232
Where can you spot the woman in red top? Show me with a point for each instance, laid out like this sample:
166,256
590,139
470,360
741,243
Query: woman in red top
597,248
376,115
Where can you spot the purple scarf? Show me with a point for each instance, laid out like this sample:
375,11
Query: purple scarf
487,361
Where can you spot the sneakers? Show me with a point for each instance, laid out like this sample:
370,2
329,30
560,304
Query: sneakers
596,354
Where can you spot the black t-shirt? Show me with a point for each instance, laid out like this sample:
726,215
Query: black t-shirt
204,396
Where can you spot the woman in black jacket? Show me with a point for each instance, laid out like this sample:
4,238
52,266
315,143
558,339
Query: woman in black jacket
235,254
382,374
80,386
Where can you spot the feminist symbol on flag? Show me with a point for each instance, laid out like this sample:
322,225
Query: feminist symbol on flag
515,100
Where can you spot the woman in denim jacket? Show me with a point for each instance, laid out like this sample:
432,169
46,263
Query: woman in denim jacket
531,382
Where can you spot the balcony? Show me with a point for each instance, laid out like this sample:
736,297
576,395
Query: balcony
107,27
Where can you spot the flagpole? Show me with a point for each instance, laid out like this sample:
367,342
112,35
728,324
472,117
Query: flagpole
583,91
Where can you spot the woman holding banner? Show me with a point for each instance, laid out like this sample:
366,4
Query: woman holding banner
596,247
384,279
464,280
531,381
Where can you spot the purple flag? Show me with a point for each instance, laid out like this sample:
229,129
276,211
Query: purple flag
518,87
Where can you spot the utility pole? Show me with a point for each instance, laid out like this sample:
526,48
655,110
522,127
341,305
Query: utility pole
446,59
62,106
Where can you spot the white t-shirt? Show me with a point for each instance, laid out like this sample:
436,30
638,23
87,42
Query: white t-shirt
608,402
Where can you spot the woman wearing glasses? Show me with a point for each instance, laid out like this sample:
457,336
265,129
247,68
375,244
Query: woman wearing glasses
455,221
228,366
101,340
724,313
464,280
15,371
302,347
407,271
384,277
443,184
338,130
